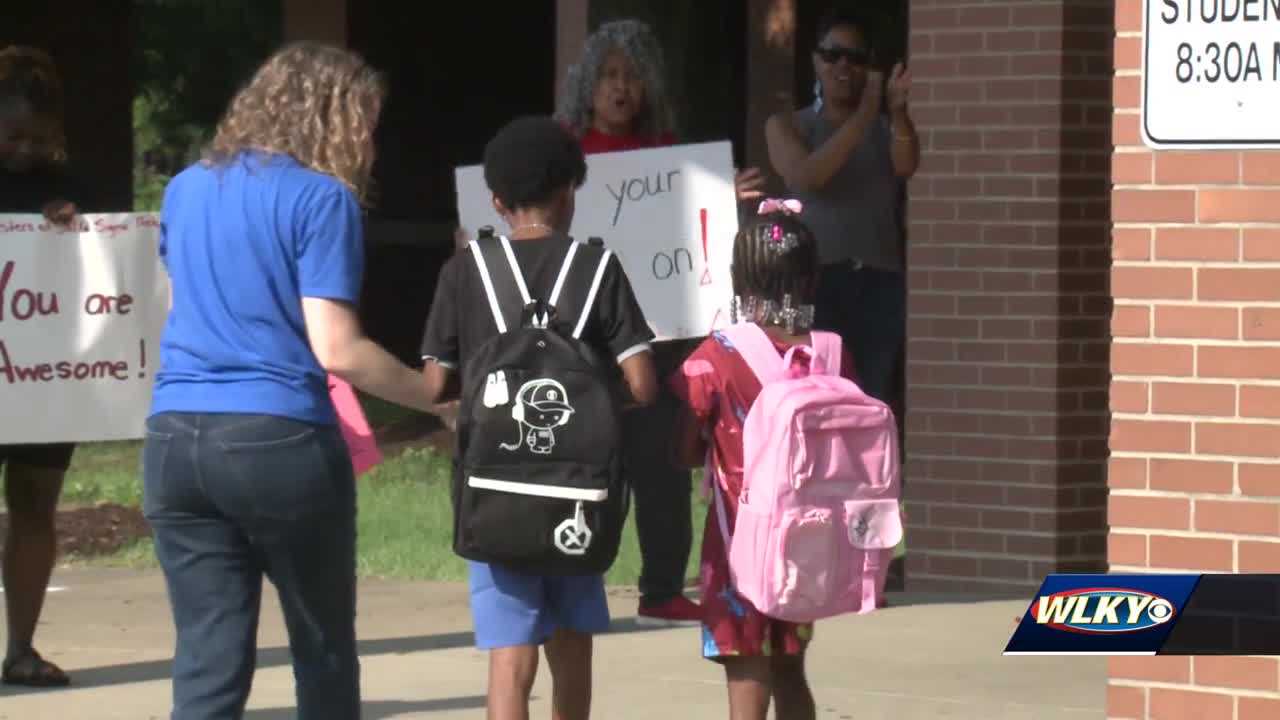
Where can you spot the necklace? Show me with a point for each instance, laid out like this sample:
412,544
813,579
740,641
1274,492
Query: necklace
530,226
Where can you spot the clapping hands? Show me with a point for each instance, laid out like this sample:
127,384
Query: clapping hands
748,184
898,92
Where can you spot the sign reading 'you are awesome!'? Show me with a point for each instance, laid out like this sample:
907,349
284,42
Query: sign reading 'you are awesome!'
81,312
1211,74
670,216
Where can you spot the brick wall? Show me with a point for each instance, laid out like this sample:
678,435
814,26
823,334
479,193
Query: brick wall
1195,436
1008,262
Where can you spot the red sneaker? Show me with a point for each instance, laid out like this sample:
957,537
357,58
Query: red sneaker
679,610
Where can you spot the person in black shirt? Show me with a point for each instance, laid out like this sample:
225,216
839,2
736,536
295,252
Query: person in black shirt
534,167
33,179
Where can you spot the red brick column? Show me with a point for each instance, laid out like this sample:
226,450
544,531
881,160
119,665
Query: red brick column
1008,344
1195,436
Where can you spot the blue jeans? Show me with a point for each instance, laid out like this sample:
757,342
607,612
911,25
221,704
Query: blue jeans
232,498
867,308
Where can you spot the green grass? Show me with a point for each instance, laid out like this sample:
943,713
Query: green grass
405,524
381,413
405,518
105,472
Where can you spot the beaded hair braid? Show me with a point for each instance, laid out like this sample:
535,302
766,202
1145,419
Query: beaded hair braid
775,268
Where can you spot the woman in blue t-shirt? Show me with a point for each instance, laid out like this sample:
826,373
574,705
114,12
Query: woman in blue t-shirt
245,470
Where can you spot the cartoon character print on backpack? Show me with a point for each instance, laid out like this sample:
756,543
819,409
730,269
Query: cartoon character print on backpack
545,497
541,405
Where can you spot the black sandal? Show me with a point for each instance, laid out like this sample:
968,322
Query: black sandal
31,670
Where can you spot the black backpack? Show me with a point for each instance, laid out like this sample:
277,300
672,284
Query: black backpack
538,485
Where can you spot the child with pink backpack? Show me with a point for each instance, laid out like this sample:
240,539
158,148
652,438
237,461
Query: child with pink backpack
802,466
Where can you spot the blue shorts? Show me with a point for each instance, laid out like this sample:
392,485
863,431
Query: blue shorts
510,608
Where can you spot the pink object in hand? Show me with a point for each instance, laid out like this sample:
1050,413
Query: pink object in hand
355,428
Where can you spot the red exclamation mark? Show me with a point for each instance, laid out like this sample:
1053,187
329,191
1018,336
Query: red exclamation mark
706,261
142,357
715,320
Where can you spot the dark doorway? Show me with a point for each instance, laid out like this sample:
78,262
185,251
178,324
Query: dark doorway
457,73
88,42
704,45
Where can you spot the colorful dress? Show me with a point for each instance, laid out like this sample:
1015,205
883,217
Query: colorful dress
718,386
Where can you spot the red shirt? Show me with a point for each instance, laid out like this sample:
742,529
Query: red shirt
718,386
593,141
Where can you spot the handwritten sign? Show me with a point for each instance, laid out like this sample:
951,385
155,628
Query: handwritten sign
81,312
1211,74
668,213
355,427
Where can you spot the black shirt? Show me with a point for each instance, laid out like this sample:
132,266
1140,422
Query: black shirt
29,192
461,320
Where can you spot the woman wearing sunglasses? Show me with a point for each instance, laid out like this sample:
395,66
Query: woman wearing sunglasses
845,158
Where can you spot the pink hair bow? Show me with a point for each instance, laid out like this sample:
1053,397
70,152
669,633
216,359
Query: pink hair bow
772,205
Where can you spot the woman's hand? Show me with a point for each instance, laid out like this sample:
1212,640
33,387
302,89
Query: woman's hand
748,184
60,212
899,90
448,414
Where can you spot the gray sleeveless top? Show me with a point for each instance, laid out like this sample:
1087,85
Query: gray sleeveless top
855,216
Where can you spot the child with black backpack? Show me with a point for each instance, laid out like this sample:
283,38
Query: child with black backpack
532,329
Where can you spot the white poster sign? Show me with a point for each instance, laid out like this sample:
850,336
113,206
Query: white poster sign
81,312
670,215
1211,74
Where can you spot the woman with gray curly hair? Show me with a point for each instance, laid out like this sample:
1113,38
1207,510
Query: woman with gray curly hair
615,99
615,96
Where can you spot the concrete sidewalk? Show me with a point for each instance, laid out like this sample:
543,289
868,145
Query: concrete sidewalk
924,657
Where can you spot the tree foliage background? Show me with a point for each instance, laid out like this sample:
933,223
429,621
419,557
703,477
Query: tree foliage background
189,58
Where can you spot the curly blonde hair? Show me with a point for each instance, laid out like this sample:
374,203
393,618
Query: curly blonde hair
636,41
316,103
29,82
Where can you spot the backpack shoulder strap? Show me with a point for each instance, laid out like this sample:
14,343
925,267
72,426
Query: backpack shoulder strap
503,282
554,299
756,349
578,285
826,353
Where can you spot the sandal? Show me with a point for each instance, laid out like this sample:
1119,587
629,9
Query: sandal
31,670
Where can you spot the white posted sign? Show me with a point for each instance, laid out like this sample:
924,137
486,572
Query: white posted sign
670,215
1211,74
80,318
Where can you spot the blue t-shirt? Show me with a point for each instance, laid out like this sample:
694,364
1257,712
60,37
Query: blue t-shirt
244,243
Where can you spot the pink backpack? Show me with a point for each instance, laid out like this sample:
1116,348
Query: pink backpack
818,518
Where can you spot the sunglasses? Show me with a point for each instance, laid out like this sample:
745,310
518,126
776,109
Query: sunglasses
832,55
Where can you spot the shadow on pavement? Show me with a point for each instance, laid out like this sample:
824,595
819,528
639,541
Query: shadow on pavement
908,599
383,709
127,673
